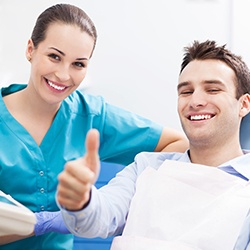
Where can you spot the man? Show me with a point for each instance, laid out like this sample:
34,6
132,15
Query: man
196,200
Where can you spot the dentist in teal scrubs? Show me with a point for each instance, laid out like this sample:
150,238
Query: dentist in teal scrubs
43,124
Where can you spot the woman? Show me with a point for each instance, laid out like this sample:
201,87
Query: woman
44,123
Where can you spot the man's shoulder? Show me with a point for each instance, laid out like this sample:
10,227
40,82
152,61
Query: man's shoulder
155,159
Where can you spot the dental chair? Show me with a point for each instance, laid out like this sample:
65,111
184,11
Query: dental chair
245,132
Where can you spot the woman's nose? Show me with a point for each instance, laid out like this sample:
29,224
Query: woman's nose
62,73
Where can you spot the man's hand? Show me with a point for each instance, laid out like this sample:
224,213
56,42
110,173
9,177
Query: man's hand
75,182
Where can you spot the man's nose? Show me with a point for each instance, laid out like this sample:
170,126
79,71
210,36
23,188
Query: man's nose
198,99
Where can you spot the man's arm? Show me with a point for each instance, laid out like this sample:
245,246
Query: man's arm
86,211
172,140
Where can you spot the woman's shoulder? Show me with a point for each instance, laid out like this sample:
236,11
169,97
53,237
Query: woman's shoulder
6,90
80,102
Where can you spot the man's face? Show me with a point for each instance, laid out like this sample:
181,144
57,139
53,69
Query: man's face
207,106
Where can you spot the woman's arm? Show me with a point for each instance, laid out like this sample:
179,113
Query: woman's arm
46,222
172,140
11,238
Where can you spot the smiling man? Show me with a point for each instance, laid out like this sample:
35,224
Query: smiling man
199,199
210,110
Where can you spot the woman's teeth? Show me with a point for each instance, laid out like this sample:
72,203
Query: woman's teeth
55,86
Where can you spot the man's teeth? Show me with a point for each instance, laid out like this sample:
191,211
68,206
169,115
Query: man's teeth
199,117
55,86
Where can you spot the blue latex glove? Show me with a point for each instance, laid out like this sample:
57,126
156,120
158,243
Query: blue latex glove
50,222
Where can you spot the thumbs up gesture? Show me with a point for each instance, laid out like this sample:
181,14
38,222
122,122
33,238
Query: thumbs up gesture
73,191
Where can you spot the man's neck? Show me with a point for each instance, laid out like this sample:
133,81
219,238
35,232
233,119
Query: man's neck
213,156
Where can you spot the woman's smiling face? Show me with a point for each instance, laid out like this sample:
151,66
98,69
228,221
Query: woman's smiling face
59,63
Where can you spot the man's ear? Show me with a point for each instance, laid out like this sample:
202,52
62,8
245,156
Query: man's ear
245,105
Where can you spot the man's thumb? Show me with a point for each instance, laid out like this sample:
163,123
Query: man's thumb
92,147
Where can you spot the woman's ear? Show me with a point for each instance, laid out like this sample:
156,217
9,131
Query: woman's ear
245,105
29,49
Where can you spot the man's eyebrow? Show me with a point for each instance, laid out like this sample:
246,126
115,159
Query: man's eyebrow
182,84
62,53
214,82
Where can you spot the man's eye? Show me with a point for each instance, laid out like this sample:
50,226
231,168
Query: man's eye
185,92
213,90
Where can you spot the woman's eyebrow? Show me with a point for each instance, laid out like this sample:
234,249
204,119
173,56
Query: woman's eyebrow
59,51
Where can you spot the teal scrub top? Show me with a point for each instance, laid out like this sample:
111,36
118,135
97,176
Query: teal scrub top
28,172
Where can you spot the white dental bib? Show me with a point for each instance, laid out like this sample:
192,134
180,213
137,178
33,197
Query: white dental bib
184,206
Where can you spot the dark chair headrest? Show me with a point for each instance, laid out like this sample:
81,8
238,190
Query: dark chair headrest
245,132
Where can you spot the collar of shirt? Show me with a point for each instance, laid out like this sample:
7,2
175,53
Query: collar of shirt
238,166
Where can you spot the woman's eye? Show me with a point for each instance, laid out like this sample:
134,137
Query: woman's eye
79,64
54,56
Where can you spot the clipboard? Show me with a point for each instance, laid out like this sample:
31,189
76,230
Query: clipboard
14,217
